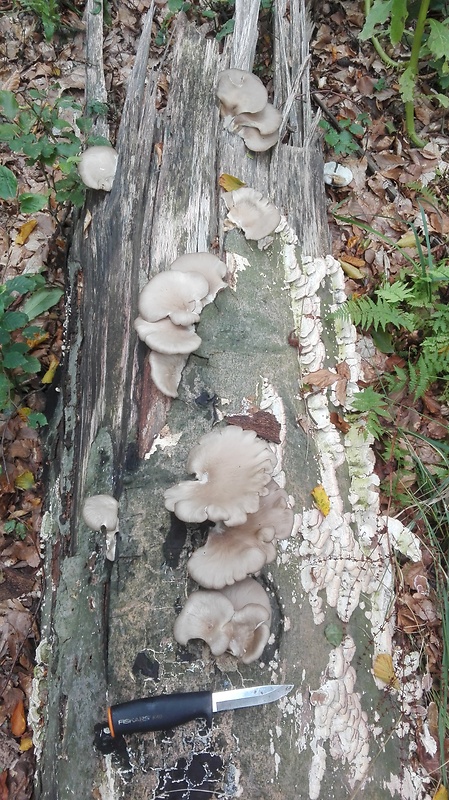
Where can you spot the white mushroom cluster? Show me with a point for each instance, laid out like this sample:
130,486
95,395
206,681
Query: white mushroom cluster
246,110
234,489
169,306
236,619
255,214
97,167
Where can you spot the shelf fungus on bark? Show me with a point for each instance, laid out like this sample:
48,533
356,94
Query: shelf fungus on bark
169,306
236,620
233,468
255,214
100,511
246,110
232,553
97,167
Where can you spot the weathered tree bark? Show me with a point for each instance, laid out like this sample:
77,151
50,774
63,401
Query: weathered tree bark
108,630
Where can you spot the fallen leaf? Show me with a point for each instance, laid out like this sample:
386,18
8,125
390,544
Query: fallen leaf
265,424
4,791
25,480
407,240
18,720
87,221
321,378
50,374
384,670
339,422
334,634
351,271
230,182
343,370
26,743
24,231
321,500
441,794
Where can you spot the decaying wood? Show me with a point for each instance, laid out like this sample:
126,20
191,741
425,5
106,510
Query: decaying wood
108,629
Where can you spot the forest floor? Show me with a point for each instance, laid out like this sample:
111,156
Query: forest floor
396,190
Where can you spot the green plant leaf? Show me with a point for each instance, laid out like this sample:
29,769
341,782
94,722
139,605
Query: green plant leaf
5,390
36,419
32,365
407,85
12,320
378,15
383,341
334,633
8,130
30,203
399,14
227,28
41,301
8,183
13,357
8,104
438,41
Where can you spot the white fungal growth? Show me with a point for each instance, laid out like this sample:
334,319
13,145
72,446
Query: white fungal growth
339,720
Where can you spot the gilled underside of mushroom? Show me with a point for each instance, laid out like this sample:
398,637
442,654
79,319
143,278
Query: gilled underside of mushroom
169,306
252,212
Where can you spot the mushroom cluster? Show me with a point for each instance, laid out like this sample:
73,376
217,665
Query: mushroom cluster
169,306
236,619
97,167
246,110
252,212
235,490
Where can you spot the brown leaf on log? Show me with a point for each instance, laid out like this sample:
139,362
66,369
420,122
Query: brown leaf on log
339,422
262,422
321,378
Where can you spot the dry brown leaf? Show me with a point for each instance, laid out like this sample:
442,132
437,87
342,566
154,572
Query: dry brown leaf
321,378
18,720
441,793
339,422
383,670
24,231
230,182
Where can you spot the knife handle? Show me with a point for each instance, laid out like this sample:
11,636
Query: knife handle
159,713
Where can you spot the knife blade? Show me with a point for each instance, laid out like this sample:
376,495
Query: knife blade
166,711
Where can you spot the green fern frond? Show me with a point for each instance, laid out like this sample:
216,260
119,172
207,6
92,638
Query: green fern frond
395,292
367,313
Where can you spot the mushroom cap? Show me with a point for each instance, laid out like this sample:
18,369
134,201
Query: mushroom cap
233,467
165,337
100,510
240,91
247,591
231,556
207,265
266,121
274,512
97,167
252,212
166,371
176,295
255,141
250,633
206,615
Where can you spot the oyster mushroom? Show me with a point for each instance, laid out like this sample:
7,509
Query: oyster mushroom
206,616
165,337
101,511
232,553
176,295
266,121
251,620
233,468
252,212
240,91
256,142
212,269
166,371
97,167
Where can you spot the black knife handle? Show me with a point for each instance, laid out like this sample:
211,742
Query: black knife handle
159,713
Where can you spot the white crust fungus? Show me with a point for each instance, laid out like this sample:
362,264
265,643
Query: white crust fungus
244,105
251,211
97,167
233,468
101,511
236,620
169,306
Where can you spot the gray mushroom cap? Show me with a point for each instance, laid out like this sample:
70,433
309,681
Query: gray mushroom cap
240,91
100,511
266,121
252,212
177,295
231,555
97,167
206,616
165,337
251,620
208,265
255,141
233,467
166,371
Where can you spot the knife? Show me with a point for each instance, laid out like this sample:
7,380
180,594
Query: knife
166,711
